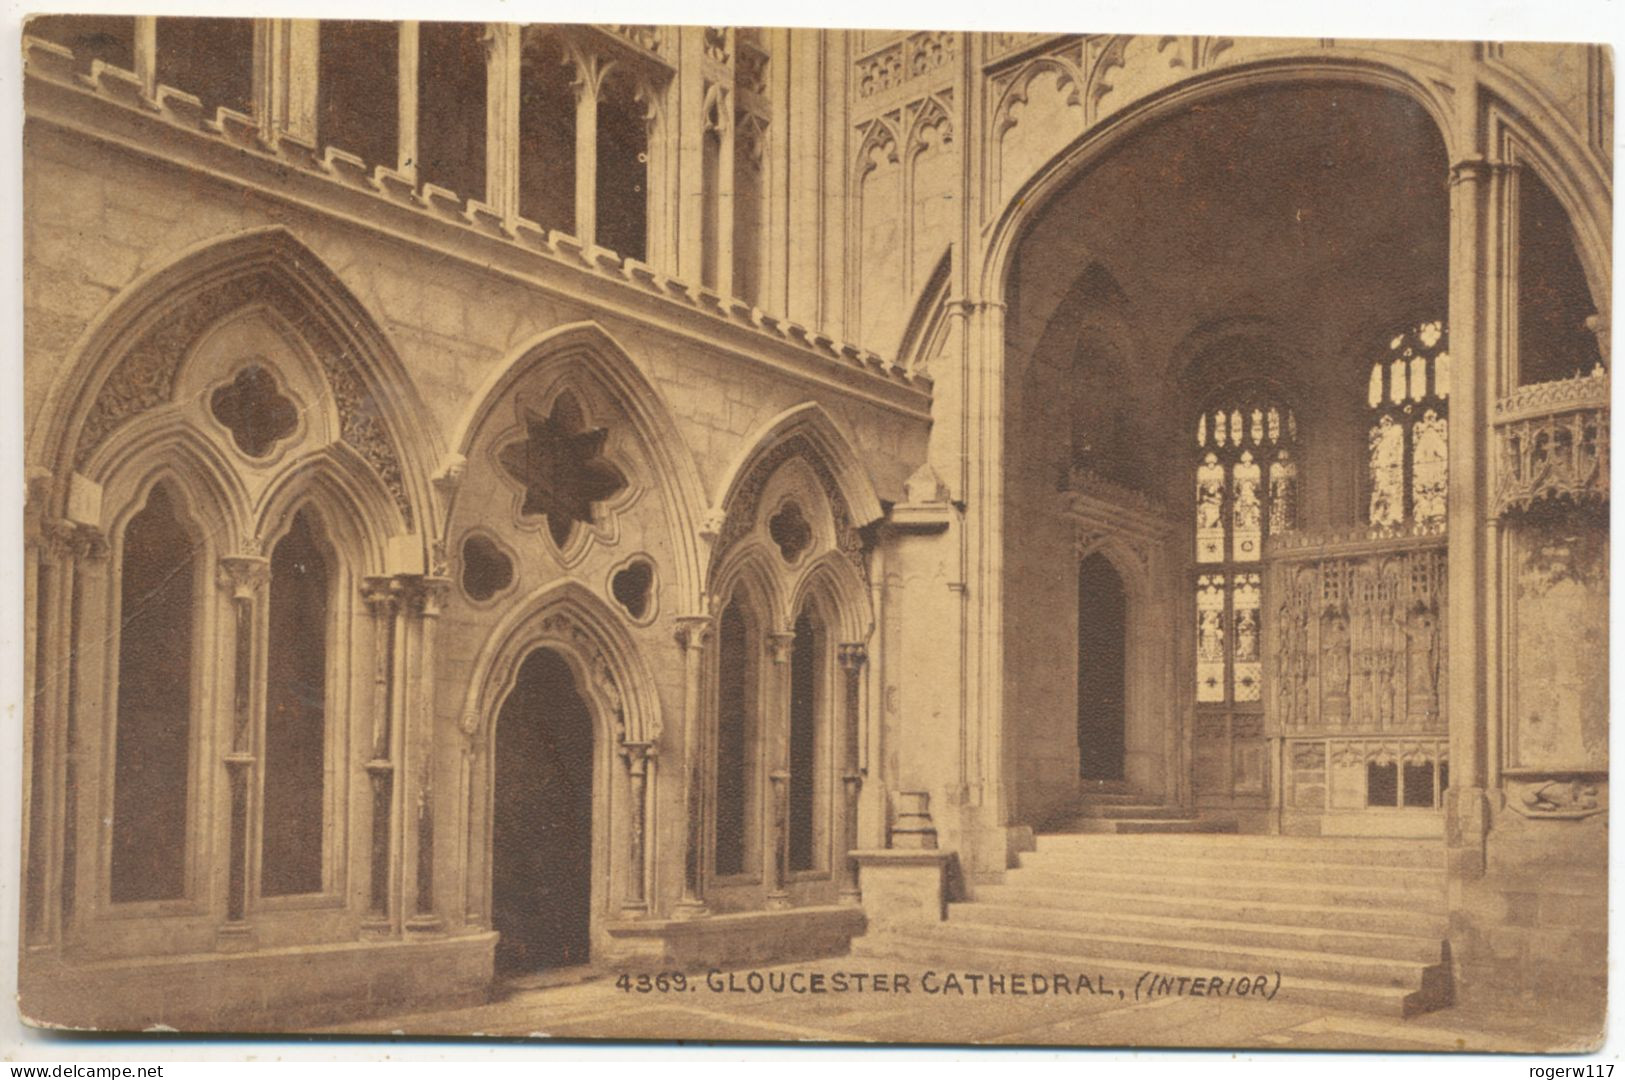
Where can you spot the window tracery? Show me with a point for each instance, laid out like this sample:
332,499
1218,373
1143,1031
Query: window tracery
1407,446
1246,490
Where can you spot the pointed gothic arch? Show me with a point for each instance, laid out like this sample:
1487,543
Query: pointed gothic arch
808,431
126,362
600,358
620,693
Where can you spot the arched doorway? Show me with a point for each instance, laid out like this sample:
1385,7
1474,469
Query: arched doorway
1102,669
541,844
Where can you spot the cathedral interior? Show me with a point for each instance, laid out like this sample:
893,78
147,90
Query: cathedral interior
513,498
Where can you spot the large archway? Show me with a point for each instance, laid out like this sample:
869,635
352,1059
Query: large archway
541,843
1265,243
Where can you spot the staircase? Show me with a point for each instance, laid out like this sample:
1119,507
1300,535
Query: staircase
1351,924
1112,807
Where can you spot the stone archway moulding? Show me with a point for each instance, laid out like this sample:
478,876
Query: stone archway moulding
1579,179
566,615
126,361
612,368
805,431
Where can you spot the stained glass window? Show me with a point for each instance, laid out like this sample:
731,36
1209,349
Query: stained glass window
1246,490
1210,637
1408,430
1249,670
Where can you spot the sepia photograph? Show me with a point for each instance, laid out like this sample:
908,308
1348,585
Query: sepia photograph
744,534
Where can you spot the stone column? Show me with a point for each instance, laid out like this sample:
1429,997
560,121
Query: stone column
637,757
380,601
852,658
691,631
428,595
502,165
725,190
57,553
406,113
589,75
777,730
1482,235
686,116
243,578
286,61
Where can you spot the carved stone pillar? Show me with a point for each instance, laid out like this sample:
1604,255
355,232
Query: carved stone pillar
691,631
406,101
243,578
58,554
779,645
589,76
381,603
502,165
426,597
1483,233
852,658
637,756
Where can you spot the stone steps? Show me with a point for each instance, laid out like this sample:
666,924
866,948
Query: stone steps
1093,903
1220,886
1142,825
1370,943
1401,879
1298,850
1351,924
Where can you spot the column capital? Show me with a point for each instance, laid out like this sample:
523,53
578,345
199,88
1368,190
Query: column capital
418,594
852,655
778,645
637,754
243,575
71,540
692,630
378,592
1477,167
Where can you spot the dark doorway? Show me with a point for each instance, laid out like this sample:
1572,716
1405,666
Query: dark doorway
1102,655
541,845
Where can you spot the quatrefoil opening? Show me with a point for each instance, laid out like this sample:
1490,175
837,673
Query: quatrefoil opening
257,414
790,530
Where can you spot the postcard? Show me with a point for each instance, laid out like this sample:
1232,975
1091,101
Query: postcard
751,534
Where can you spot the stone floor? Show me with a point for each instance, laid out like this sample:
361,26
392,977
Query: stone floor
596,1009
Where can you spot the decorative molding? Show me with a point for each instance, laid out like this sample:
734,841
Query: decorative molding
1589,391
1004,43
1356,540
901,63
1102,510
745,505
1389,750
143,378
1356,644
1554,444
243,576
96,107
1193,53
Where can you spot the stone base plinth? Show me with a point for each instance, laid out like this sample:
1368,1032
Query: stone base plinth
281,989
904,887
748,937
